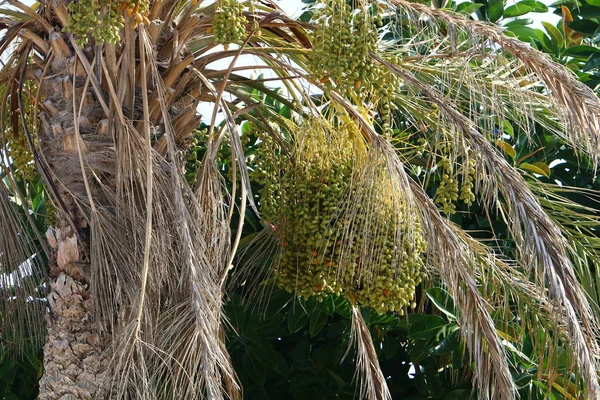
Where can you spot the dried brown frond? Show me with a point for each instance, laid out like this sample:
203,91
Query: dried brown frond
372,382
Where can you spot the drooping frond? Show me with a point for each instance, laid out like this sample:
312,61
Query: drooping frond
21,268
372,382
492,77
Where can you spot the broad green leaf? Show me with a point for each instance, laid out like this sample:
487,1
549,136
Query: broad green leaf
327,305
468,8
419,351
442,300
586,11
533,168
517,10
525,33
537,6
255,369
592,62
519,22
296,318
265,354
282,366
495,9
317,322
507,148
286,112
459,394
390,346
581,51
543,166
337,379
448,344
426,327
584,26
508,128
554,33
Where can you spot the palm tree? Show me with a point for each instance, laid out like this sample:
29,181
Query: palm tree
138,256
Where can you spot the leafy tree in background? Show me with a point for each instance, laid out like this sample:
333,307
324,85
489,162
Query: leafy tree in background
358,188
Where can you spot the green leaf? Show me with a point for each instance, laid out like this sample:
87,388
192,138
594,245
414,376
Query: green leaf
426,327
296,318
265,354
536,6
286,112
302,386
581,51
584,26
495,9
555,34
317,322
508,128
459,394
458,356
390,346
448,344
419,351
327,305
282,366
507,148
525,33
587,11
592,62
468,8
442,300
519,22
517,10
533,168
277,301
543,166
255,370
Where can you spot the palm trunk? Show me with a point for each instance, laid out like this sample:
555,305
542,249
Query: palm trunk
75,361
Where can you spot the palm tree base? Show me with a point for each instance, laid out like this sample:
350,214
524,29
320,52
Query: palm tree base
75,364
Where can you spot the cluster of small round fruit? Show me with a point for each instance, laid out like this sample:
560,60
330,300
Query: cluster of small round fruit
309,200
342,42
229,22
21,155
83,19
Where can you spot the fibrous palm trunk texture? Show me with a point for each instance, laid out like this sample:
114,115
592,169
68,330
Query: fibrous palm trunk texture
75,357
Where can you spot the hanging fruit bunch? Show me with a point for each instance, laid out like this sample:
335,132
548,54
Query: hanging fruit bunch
339,227
83,19
14,140
21,155
452,171
342,42
229,22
